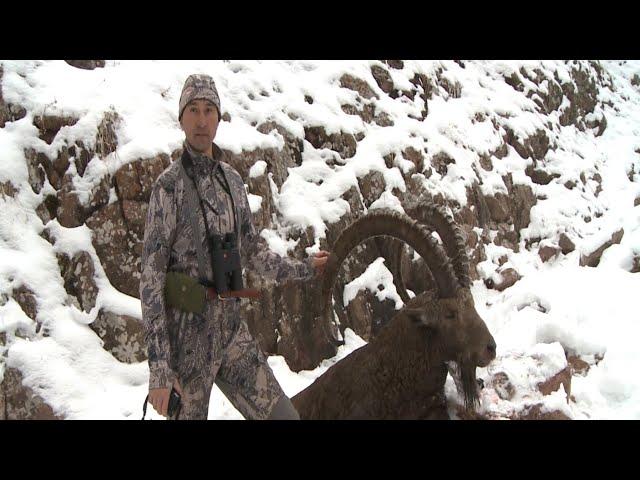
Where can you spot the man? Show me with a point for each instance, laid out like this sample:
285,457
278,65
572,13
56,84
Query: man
192,346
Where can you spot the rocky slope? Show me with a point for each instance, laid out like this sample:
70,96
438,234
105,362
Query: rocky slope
501,144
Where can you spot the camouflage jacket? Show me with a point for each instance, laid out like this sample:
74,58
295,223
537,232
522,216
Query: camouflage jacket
169,246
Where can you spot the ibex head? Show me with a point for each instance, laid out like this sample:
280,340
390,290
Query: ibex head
448,317
454,324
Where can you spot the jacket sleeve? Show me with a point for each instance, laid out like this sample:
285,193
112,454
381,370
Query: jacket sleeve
263,261
158,238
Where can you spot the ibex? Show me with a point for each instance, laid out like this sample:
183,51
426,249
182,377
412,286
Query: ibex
401,372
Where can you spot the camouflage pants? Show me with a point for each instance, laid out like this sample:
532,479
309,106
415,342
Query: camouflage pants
243,375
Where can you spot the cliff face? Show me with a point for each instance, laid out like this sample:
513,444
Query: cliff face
532,159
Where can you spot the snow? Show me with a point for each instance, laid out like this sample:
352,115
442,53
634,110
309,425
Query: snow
276,243
583,311
255,202
375,275
257,169
556,307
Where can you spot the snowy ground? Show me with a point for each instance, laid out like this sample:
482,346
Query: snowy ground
592,312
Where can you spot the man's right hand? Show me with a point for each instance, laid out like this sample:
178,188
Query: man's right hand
159,397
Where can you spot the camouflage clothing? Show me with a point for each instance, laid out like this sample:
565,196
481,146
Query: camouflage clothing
196,348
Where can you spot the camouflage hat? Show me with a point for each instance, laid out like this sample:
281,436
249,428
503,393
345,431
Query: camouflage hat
199,87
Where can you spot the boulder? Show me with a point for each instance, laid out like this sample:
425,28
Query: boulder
37,165
304,339
498,206
344,144
535,146
577,365
384,81
539,176
287,322
19,402
50,125
439,163
563,377
8,112
123,336
535,412
7,189
547,252
119,252
582,94
78,274
366,315
424,83
134,181
106,141
368,113
70,211
26,298
135,216
278,160
509,278
81,155
371,186
552,98
507,237
86,64
262,187
522,200
397,64
593,259
416,157
565,243
485,162
453,89
358,85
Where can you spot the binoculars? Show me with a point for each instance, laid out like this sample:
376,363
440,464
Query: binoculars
227,271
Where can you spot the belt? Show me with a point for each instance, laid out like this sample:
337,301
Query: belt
188,294
244,293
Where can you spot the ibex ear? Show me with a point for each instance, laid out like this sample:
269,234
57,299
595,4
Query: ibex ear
420,317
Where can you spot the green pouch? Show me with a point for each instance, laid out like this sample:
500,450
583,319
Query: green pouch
185,293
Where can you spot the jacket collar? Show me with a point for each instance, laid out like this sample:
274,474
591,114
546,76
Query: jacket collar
203,163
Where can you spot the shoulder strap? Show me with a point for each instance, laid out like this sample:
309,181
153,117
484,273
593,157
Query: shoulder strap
229,190
190,193
221,156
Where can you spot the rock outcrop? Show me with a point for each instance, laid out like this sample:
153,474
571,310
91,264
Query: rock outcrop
285,319
19,402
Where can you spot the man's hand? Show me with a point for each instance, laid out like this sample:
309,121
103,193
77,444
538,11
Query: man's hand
159,397
319,261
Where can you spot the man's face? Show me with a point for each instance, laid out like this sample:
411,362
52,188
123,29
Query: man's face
200,124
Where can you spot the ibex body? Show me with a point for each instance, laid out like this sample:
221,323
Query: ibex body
400,373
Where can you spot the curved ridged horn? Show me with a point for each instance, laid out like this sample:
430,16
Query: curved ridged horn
453,239
389,223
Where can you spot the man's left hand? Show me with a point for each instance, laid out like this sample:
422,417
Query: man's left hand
319,261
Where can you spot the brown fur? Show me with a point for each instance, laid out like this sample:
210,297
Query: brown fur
400,374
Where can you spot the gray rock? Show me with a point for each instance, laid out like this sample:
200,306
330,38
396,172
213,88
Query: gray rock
566,244
123,336
19,402
593,259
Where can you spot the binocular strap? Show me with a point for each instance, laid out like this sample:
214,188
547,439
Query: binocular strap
192,199
190,192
